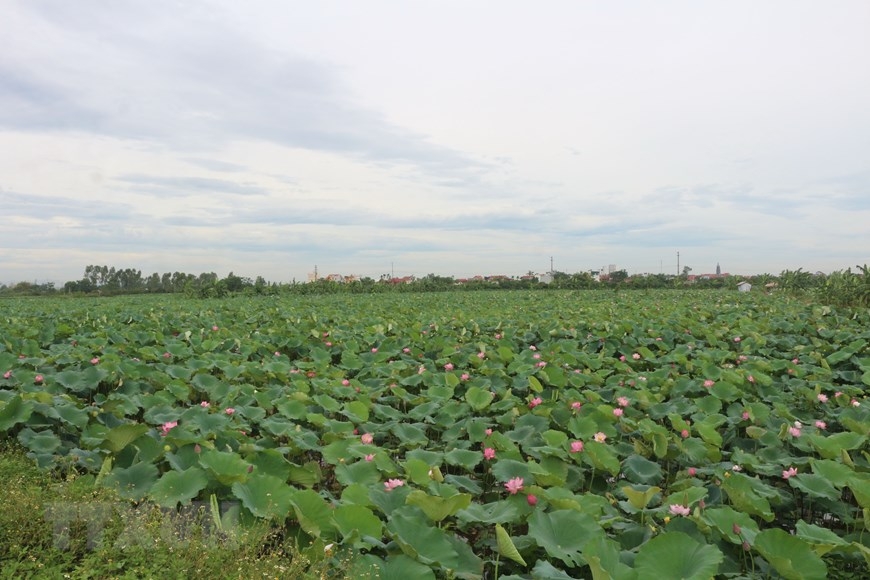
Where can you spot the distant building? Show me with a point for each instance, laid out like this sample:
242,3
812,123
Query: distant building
718,274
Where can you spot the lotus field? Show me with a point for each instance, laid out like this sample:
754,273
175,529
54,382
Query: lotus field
535,434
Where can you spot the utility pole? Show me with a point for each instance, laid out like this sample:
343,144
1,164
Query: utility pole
678,263
551,264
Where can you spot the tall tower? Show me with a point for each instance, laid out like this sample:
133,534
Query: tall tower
718,269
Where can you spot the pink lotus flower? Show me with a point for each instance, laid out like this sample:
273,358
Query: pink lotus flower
535,402
167,355
790,472
488,431
38,379
367,438
684,433
794,431
617,412
533,347
374,349
514,485
576,405
576,446
370,457
750,378
214,328
498,336
821,425
197,448
489,453
95,360
536,356
679,510
855,403
392,484
795,360
421,370
167,427
709,383
205,404
541,364
464,377
737,339
636,356
745,415
622,401
532,500
7,374
328,343
448,367
481,355
692,472
229,410
822,397
406,350
837,394
277,353
345,383
600,437
622,357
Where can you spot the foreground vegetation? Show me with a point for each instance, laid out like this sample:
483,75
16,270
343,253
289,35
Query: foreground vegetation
512,434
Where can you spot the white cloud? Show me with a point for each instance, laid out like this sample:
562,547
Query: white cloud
457,138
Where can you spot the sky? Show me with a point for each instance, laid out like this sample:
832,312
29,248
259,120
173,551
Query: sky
457,138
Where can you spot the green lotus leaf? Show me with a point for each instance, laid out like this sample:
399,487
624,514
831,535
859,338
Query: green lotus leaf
14,411
133,482
791,557
815,486
314,513
356,522
402,567
744,494
438,508
639,469
420,540
734,525
464,458
602,555
176,487
265,496
478,398
506,546
228,467
601,457
563,533
639,499
677,555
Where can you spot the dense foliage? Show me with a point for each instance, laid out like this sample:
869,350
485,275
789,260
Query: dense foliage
840,288
547,434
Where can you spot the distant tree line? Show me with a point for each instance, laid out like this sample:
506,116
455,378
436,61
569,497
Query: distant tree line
840,288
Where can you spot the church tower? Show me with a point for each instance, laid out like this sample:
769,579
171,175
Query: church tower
718,269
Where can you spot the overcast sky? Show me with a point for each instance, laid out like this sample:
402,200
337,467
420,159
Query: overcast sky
449,137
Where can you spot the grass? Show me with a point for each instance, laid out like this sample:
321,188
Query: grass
125,541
